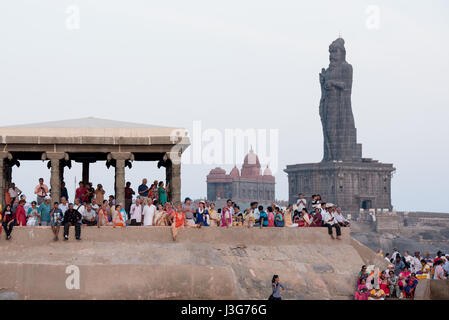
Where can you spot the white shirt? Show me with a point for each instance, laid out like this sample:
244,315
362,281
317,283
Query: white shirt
95,207
14,192
81,208
340,218
415,265
64,207
301,204
136,212
148,214
327,217
89,214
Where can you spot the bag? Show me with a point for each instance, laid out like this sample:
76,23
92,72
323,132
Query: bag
278,223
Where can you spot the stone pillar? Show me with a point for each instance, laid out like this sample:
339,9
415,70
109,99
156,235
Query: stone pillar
173,175
55,178
3,156
85,172
120,158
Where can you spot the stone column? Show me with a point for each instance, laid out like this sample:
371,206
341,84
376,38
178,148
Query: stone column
3,156
120,158
55,178
173,175
85,172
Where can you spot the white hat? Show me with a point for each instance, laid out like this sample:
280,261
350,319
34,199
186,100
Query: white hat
329,205
47,198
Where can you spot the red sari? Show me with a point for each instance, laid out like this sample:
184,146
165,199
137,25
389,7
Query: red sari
21,218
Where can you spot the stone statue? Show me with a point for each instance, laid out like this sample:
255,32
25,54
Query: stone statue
340,137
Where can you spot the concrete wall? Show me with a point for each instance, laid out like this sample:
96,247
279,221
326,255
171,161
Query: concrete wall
211,263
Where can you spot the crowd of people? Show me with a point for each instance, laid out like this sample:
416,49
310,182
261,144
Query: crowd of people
152,207
401,277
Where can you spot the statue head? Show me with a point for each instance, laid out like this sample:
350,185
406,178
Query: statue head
337,51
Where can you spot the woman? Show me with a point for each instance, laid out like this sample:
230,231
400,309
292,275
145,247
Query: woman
362,290
409,289
278,218
33,215
178,221
202,215
277,288
213,215
226,218
103,215
21,218
317,219
120,218
393,284
160,216
162,193
270,215
304,221
363,274
402,279
288,216
8,220
383,283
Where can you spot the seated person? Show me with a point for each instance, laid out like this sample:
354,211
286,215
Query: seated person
393,285
317,219
341,220
376,293
89,216
383,283
263,218
304,220
278,218
362,291
410,287
120,217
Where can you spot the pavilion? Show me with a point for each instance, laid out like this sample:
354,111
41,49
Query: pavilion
88,140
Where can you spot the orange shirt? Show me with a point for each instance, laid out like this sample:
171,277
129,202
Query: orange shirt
179,219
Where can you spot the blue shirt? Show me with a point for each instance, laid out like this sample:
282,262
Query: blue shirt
199,217
44,210
143,187
264,215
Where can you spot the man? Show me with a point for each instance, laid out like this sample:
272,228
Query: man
40,191
255,211
72,218
80,207
89,216
95,205
81,192
129,192
64,192
415,263
301,203
446,264
188,210
148,214
136,213
143,191
44,210
330,221
14,192
64,205
395,253
56,219
263,218
399,265
340,218
90,192
99,194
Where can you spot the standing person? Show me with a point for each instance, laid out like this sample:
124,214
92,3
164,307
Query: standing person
90,192
27,205
44,211
143,191
41,191
162,193
56,219
277,288
178,221
301,203
214,218
226,216
33,215
439,270
8,196
188,210
249,219
399,265
99,194
149,211
330,221
64,192
81,192
129,192
72,218
21,219
8,221
415,263
136,213
155,191
14,192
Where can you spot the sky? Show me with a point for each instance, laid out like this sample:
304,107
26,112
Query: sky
250,64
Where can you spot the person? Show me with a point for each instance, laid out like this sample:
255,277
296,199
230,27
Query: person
403,276
362,291
33,215
27,205
40,191
8,196
407,259
188,210
8,220
270,215
424,272
56,219
81,192
143,191
64,192
428,258
278,218
202,215
341,220
64,205
399,265
394,254
120,217
169,210
103,215
383,283
178,221
446,264
415,263
160,216
136,213
288,216
393,286
387,257
439,271
213,215
80,207
44,211
304,218
380,253
376,293
148,213
301,203
410,287
99,194
438,257
111,201
277,288
317,219
89,216
255,209
95,206
263,218
21,219
72,218
330,221
162,191
14,192
90,192
129,192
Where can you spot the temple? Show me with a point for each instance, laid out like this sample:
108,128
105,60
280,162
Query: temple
89,140
343,177
243,186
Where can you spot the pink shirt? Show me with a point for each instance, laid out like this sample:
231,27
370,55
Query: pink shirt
270,219
38,191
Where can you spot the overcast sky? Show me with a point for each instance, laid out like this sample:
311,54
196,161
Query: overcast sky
236,64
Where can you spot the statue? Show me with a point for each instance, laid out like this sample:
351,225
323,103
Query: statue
340,137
